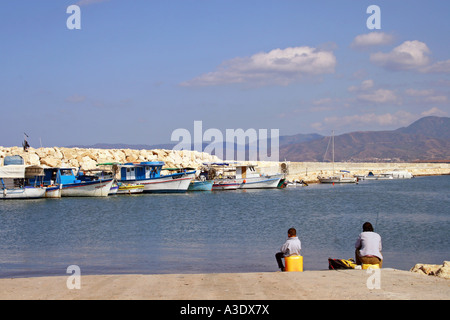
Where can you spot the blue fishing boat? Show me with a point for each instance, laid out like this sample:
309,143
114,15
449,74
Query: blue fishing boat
149,175
71,185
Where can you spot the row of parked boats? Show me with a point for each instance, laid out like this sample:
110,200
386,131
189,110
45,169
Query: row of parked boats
19,181
343,176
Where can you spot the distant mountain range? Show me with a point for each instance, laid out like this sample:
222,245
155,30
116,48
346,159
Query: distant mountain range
426,139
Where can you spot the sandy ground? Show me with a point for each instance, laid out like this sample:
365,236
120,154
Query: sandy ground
329,285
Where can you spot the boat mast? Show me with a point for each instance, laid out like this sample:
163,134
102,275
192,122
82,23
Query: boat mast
332,137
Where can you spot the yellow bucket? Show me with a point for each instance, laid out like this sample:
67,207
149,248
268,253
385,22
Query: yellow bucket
294,263
370,266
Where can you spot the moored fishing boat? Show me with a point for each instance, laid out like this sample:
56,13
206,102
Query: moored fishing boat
15,182
223,175
71,185
197,183
251,179
149,175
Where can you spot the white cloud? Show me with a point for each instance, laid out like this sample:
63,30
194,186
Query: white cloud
434,112
379,96
366,84
437,67
388,120
419,93
366,92
426,96
410,55
407,56
322,101
371,39
279,66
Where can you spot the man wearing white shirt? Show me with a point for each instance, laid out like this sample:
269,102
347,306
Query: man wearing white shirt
291,247
368,246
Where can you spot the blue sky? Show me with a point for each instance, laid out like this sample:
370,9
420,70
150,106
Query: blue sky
138,70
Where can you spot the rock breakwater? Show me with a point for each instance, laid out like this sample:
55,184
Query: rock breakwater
87,159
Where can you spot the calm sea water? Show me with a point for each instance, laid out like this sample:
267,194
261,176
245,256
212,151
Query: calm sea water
225,231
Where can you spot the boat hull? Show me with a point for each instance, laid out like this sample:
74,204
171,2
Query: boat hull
226,184
337,180
174,183
201,185
263,182
98,188
131,189
114,189
53,192
23,193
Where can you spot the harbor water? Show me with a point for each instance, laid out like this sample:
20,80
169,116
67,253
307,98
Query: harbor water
224,231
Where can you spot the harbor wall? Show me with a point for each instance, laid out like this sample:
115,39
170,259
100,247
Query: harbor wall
307,171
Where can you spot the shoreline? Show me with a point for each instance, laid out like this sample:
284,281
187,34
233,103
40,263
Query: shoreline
394,284
88,159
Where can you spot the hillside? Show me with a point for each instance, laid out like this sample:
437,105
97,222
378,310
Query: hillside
426,139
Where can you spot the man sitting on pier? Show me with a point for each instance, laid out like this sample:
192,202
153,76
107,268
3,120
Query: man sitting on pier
291,247
368,246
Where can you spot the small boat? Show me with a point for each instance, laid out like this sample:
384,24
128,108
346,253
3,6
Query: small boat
199,183
15,182
232,176
400,174
124,188
251,179
223,175
342,177
338,178
149,174
381,176
296,184
71,185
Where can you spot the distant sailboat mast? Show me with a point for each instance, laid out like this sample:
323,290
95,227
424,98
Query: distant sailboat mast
332,147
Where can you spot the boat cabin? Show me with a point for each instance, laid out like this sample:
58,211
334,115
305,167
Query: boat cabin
141,171
57,176
246,171
18,176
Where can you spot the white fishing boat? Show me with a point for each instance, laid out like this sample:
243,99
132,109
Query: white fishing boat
15,182
342,177
223,175
149,175
251,179
70,185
